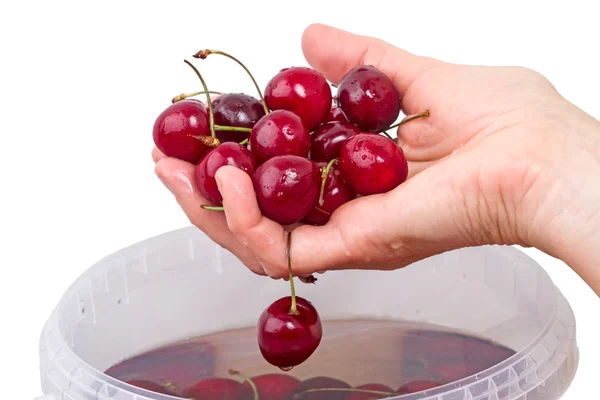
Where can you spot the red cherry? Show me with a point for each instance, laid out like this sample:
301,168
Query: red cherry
217,389
336,193
239,110
275,386
176,130
228,153
287,188
336,114
152,386
322,382
417,386
372,164
285,338
329,138
279,133
303,91
376,387
368,98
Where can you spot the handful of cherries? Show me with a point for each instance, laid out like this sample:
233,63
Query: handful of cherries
307,152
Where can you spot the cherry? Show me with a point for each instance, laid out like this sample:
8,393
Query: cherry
336,114
279,133
228,153
289,330
372,164
274,386
362,392
328,139
335,193
217,389
309,389
368,98
152,386
239,110
177,130
417,386
287,188
302,90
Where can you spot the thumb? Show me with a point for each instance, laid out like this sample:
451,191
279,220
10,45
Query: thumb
334,52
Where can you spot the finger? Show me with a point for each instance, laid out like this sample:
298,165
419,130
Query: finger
178,177
313,248
421,140
334,52
157,155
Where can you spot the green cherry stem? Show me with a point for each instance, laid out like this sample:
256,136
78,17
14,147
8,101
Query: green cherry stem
184,96
232,128
376,392
212,208
244,142
387,134
247,379
406,119
202,54
293,308
324,175
211,117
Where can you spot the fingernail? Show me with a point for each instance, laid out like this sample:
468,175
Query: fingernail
219,185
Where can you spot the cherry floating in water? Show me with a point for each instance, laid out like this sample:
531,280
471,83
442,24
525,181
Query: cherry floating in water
178,129
372,164
218,389
237,110
335,193
289,330
417,386
329,138
275,386
322,388
368,98
287,188
336,114
370,391
229,153
303,91
152,386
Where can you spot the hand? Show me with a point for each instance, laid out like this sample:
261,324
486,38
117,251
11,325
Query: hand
502,159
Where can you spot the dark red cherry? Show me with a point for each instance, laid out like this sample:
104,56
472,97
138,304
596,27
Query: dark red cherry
217,389
328,139
368,98
239,110
287,339
287,188
152,386
417,386
303,91
375,387
336,193
279,133
228,153
336,114
275,386
176,130
372,164
307,391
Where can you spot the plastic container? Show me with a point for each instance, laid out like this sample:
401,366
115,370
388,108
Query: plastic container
180,284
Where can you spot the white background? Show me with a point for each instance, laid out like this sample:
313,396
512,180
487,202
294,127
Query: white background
82,82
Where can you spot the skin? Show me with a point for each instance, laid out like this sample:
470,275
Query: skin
502,159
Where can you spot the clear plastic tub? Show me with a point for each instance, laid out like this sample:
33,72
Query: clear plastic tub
180,284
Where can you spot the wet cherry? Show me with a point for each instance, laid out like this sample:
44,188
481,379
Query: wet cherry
176,130
368,98
218,389
336,114
308,390
372,164
236,109
229,153
275,386
335,194
328,139
302,90
287,188
417,386
152,386
279,133
375,387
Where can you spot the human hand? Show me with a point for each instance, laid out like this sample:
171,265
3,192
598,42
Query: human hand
502,159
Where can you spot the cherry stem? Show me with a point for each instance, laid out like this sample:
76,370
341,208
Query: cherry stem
344,390
406,119
387,134
244,142
324,175
205,53
211,117
247,379
293,308
232,128
212,208
184,96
